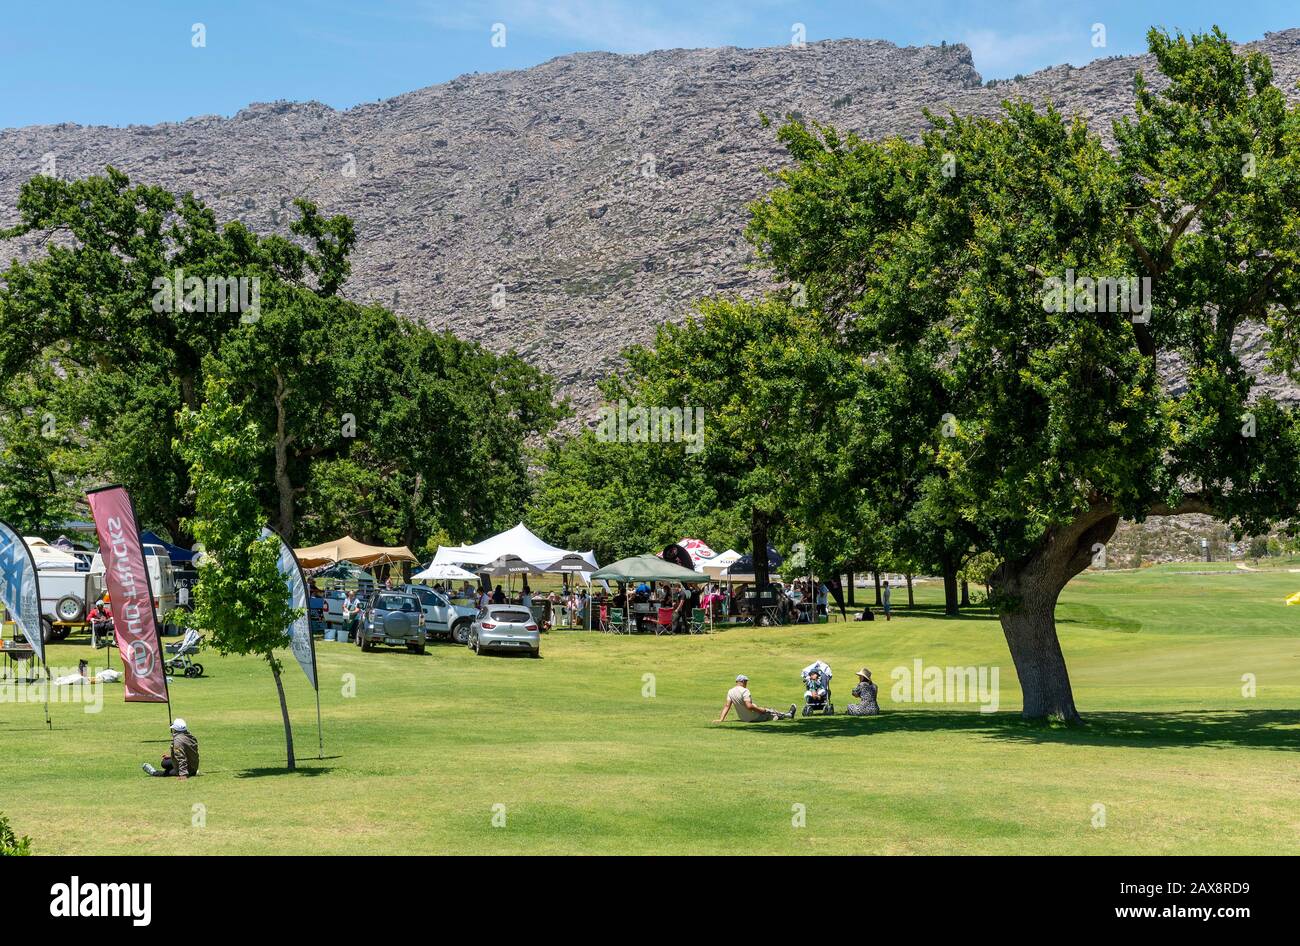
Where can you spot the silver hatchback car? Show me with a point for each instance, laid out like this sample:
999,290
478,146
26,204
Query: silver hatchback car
505,627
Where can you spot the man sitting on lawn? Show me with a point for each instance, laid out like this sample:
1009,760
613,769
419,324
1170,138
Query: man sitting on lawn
182,760
738,696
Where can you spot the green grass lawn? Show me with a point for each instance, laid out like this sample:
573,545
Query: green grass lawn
418,759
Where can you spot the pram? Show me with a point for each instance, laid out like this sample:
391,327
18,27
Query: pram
180,655
813,704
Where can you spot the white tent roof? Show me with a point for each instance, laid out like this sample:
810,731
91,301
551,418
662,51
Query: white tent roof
718,565
699,552
518,541
47,556
444,572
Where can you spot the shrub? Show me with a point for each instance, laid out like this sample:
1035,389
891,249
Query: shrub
10,844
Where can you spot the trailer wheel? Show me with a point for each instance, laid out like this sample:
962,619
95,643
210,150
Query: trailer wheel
70,609
47,630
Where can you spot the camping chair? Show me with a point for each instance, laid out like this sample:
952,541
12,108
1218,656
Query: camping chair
616,623
699,619
664,621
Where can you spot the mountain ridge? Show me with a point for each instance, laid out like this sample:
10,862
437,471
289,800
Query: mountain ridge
567,209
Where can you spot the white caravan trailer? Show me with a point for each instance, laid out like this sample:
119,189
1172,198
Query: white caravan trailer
64,587
162,579
72,582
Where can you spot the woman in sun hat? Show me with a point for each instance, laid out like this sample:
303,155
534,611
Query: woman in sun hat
865,691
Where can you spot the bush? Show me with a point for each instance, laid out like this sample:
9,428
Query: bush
10,844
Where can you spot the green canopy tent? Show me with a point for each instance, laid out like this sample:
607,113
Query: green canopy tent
647,568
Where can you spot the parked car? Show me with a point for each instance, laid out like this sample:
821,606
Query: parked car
394,618
442,618
505,627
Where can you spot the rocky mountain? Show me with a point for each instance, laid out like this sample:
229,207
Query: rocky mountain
567,209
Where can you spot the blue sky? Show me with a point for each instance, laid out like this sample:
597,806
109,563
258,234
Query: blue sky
121,63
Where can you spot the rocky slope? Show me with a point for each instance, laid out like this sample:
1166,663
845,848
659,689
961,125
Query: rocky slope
567,209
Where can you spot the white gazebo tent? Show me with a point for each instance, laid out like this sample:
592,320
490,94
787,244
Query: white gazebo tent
717,566
519,542
521,546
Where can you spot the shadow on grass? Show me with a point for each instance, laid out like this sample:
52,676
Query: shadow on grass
902,611
270,770
1093,616
1250,729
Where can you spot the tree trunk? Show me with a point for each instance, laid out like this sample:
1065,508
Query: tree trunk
965,594
1028,590
950,602
911,602
180,535
758,538
409,535
283,485
284,711
852,600
875,576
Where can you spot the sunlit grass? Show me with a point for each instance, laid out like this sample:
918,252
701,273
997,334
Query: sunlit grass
583,759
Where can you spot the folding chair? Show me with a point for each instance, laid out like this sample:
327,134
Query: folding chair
699,621
616,622
664,621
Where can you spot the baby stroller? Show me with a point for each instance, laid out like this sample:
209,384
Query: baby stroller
180,655
813,704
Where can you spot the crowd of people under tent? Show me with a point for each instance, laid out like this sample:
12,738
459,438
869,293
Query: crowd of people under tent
800,601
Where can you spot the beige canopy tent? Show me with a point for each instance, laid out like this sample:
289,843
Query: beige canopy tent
348,549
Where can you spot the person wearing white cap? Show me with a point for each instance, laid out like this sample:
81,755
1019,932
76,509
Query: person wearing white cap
182,760
739,698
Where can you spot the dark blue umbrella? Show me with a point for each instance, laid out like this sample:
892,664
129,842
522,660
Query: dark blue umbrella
745,564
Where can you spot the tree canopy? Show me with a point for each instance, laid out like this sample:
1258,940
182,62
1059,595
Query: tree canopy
367,423
986,271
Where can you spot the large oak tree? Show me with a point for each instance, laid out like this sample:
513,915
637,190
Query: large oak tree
935,260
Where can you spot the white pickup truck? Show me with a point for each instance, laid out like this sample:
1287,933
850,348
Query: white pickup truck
441,617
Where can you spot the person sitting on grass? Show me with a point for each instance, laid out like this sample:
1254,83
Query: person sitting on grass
739,697
182,760
865,691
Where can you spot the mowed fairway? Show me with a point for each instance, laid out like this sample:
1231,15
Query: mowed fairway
583,762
